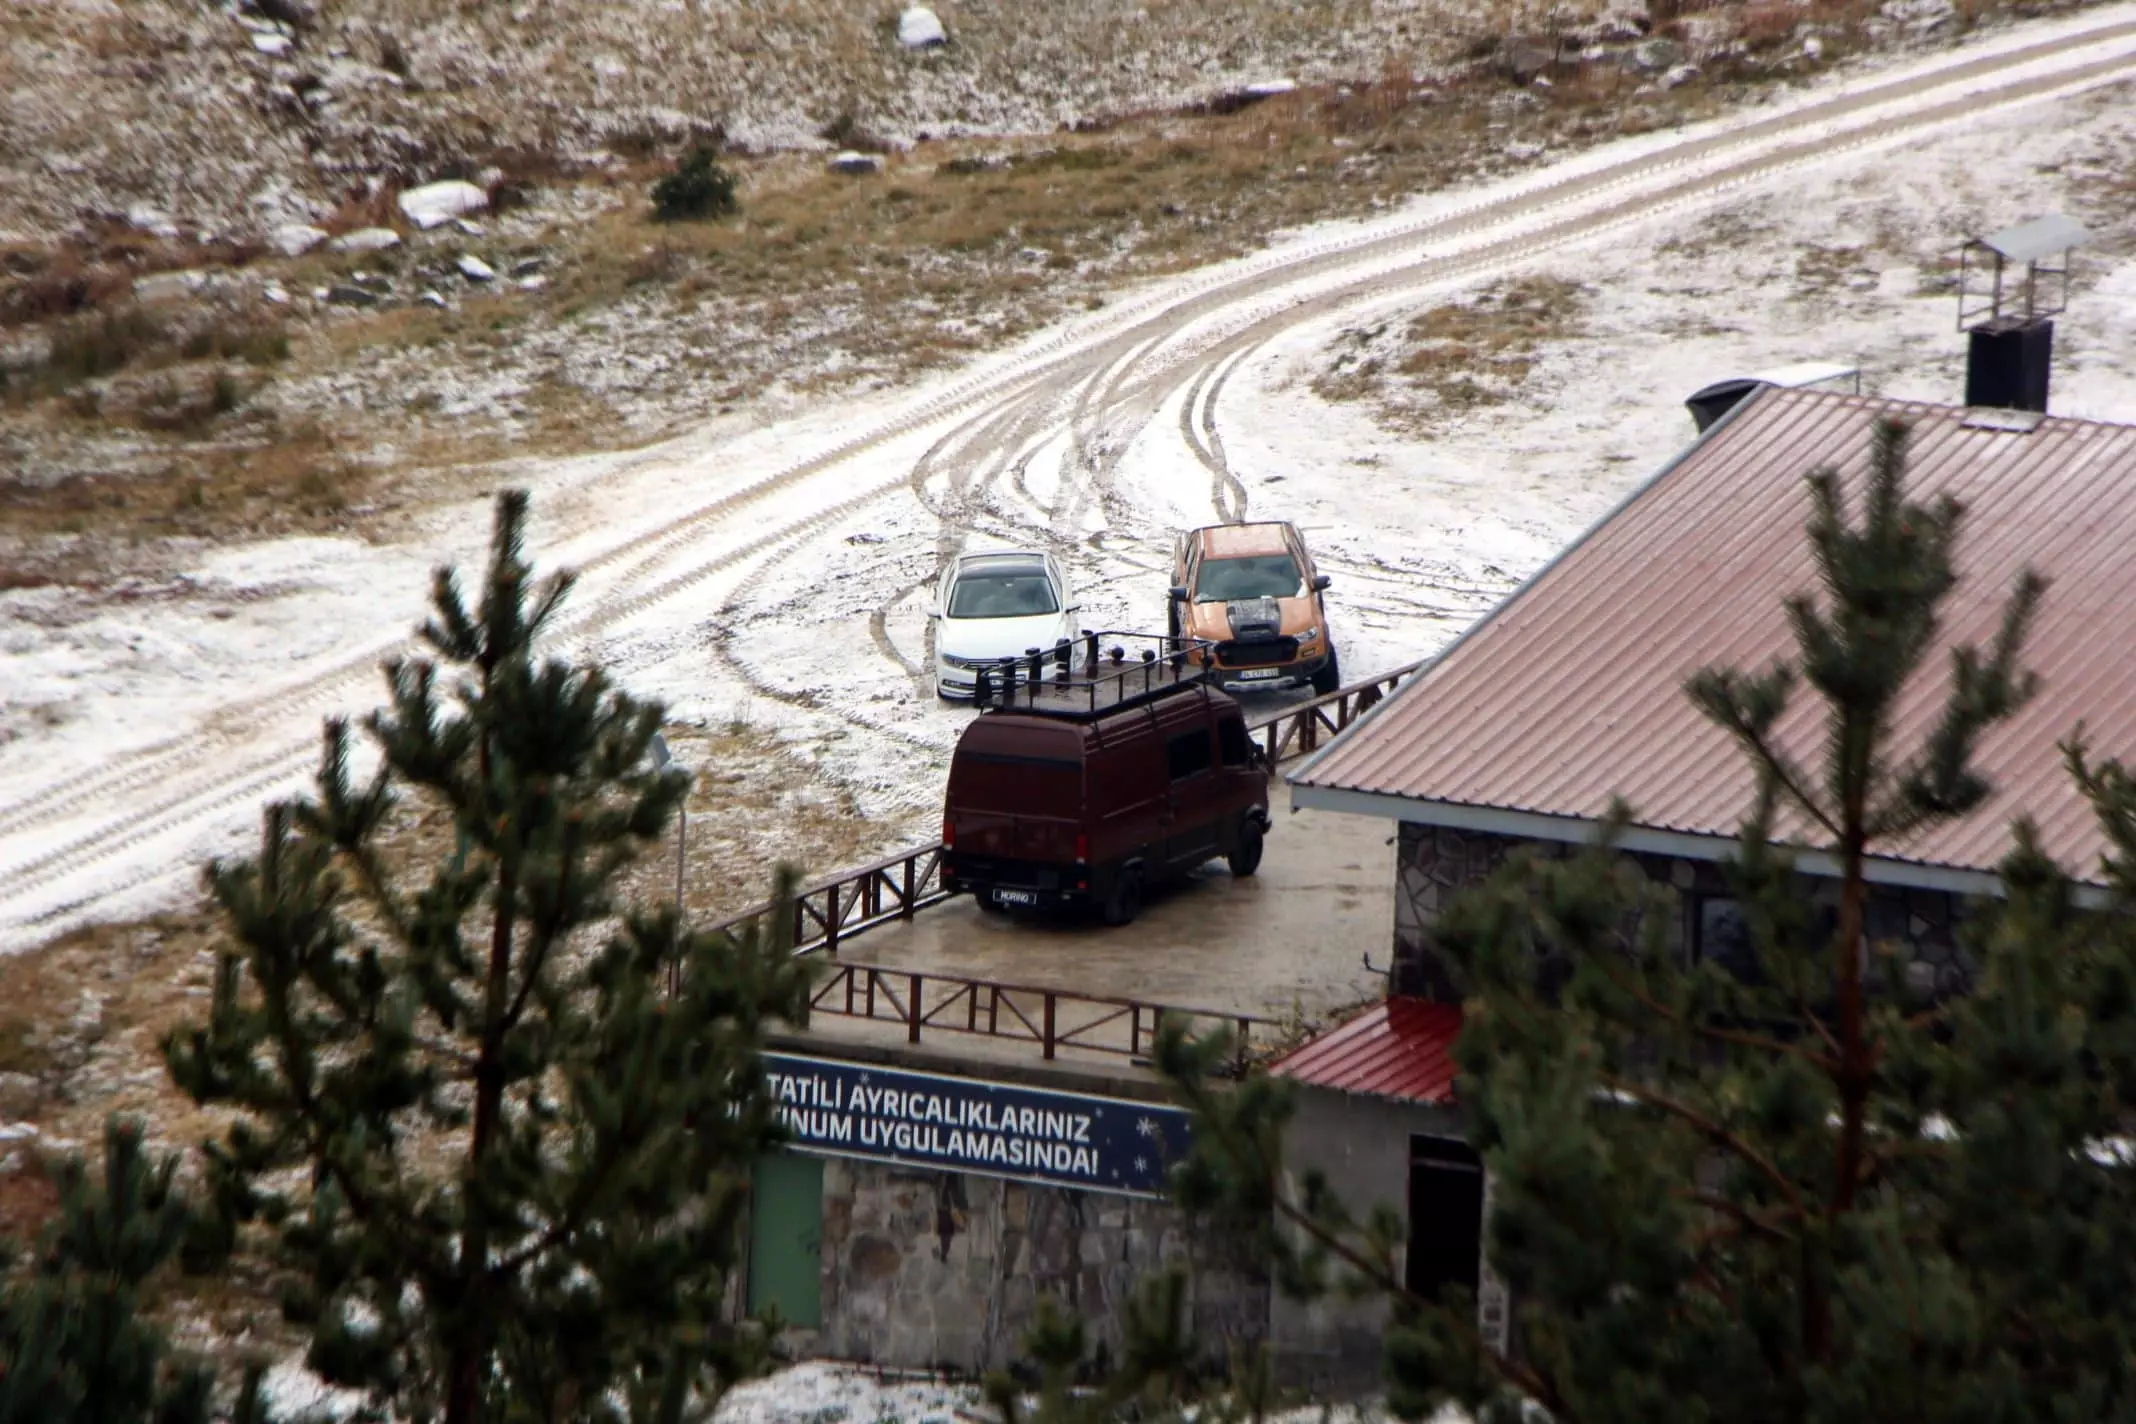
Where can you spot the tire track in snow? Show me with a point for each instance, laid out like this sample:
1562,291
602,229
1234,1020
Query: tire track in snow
1266,293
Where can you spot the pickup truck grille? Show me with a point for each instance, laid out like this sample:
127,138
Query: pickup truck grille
1271,653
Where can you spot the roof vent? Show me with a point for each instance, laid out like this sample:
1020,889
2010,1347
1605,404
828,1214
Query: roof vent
2010,286
1710,403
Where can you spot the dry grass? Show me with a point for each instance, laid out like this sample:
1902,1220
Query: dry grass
1456,357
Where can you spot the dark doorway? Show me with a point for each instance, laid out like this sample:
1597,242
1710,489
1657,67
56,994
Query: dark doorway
1445,1215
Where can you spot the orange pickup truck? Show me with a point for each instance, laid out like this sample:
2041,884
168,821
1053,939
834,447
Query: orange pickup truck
1252,592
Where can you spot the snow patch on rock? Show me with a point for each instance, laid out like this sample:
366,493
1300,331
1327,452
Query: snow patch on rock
920,28
367,239
435,204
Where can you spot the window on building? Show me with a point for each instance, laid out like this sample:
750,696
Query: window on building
1189,753
1720,934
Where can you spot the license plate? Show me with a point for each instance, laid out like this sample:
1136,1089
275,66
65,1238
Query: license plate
1017,897
1261,672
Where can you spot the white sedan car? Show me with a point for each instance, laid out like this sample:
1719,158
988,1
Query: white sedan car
997,604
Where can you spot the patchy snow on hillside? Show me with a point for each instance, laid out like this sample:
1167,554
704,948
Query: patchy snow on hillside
802,609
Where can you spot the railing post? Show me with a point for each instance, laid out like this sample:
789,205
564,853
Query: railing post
801,920
830,921
1048,1040
912,1032
1134,1030
911,886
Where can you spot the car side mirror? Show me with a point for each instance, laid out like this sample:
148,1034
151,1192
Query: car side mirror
1320,583
1178,592
934,613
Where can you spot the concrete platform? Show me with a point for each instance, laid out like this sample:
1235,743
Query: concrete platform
1288,942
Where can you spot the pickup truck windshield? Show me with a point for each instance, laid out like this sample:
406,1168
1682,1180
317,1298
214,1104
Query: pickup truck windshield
1258,576
1002,593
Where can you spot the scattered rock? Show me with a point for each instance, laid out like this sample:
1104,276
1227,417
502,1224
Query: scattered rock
1525,60
527,266
151,220
343,294
1681,74
467,226
533,284
277,294
373,281
165,285
858,164
1269,88
1656,55
1812,48
20,1095
267,42
1522,152
435,204
295,239
367,239
920,28
432,299
474,269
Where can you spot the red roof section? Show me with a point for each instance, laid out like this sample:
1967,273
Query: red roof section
1401,1048
1572,690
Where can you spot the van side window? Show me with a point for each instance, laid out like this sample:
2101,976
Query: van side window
1233,743
1188,753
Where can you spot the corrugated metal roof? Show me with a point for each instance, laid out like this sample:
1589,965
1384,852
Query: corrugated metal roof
1400,1048
2042,237
1572,690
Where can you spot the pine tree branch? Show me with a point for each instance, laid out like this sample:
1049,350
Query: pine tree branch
1713,1132
1738,1212
1720,1035
1513,1372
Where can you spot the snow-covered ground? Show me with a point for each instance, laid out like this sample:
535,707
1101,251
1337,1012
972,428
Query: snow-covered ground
810,1393
777,572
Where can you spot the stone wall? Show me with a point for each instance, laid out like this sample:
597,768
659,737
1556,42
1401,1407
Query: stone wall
925,1269
1432,863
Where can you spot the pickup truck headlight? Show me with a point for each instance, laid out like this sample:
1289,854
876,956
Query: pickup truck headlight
1310,635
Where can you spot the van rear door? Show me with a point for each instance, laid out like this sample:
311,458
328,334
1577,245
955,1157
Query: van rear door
1016,790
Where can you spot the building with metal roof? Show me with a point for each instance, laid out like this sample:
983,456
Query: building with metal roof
1571,691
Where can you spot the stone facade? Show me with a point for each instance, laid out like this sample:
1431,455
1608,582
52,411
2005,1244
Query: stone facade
944,1270
1433,862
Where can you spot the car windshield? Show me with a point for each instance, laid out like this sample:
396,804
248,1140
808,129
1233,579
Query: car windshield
1257,576
1016,591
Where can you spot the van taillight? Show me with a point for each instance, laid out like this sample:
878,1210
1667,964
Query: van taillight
949,834
1082,848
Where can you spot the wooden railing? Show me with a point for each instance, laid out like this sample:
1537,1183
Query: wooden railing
830,911
1053,1019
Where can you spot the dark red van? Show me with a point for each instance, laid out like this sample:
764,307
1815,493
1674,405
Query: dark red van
1086,788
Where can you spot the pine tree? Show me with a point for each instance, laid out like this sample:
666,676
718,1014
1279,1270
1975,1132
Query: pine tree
498,1125
1802,1190
74,1342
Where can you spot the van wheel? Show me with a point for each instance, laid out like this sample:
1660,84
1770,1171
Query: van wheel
1124,901
1329,678
1245,858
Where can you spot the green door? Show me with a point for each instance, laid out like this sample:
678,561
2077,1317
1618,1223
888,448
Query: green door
786,1238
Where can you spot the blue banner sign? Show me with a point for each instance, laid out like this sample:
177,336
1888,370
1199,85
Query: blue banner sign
843,1109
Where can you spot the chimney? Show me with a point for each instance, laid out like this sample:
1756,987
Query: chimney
2011,284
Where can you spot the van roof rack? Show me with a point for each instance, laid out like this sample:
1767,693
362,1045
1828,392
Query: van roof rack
1117,670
